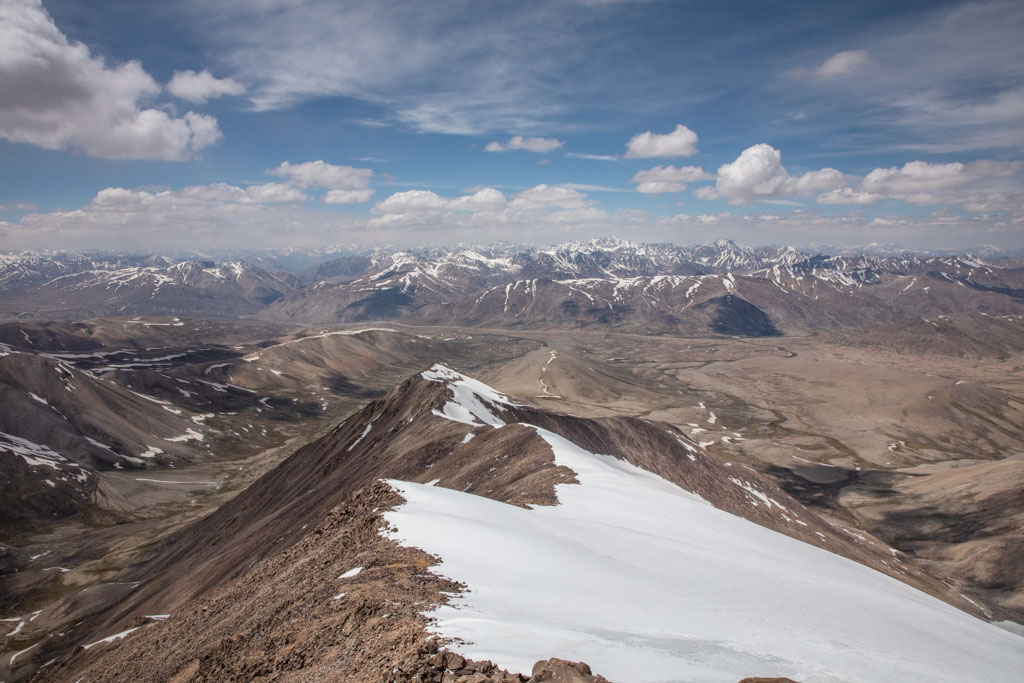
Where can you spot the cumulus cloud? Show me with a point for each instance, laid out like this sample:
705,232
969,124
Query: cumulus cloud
200,87
347,196
841,63
538,145
425,200
758,174
920,177
321,174
269,193
682,142
545,196
57,95
539,204
123,200
344,184
668,178
977,184
848,196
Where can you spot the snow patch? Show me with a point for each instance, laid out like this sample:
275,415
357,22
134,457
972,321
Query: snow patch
110,639
36,455
472,400
189,435
362,436
648,582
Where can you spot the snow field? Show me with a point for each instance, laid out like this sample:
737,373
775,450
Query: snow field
647,582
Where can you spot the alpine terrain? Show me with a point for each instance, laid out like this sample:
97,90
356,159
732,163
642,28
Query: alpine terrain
593,461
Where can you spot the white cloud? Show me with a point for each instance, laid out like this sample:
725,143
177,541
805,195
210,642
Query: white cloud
412,200
347,196
550,196
587,187
123,199
200,215
224,215
321,174
979,185
57,95
668,178
539,209
682,142
594,157
200,87
845,196
841,63
269,193
424,200
758,174
542,204
538,145
918,177
204,130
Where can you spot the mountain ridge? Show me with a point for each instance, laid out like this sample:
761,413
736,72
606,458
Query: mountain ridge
439,428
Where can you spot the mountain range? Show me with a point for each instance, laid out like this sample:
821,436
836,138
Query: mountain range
721,288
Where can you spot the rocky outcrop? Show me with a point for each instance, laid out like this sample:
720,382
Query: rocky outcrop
560,671
432,664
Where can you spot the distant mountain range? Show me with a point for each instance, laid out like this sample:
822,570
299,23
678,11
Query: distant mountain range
718,288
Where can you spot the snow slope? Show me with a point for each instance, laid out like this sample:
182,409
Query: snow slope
647,582
471,398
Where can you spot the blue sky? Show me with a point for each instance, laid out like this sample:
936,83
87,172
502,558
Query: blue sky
275,122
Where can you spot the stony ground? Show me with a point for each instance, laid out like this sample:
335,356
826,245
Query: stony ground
294,618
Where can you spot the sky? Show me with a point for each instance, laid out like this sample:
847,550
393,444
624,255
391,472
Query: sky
267,123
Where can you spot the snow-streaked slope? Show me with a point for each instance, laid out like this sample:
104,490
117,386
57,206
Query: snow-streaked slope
647,582
471,398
